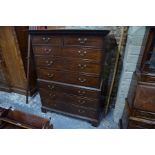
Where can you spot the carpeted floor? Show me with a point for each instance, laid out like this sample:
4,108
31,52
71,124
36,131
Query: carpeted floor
59,121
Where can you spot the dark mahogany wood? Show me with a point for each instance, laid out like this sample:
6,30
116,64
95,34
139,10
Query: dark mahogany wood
43,39
145,97
147,77
93,54
55,96
143,114
71,108
69,77
15,119
84,40
70,89
49,51
69,52
70,70
102,33
140,123
76,65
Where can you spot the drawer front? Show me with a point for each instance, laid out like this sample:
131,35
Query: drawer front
83,53
73,109
69,99
145,98
68,64
47,51
69,77
92,41
83,92
50,63
148,78
138,123
143,114
45,39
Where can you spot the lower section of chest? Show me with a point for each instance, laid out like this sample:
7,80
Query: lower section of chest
80,102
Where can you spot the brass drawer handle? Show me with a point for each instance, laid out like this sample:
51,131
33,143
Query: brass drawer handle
81,111
52,95
81,92
82,53
50,75
49,62
82,80
81,101
82,66
47,51
82,40
46,39
51,87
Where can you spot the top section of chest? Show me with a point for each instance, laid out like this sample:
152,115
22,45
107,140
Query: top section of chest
84,38
81,44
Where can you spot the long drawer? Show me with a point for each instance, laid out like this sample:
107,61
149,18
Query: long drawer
143,114
69,77
68,64
71,52
140,123
70,108
84,40
79,91
147,78
56,96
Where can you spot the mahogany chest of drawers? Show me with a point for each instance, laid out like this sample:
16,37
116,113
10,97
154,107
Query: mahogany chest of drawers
70,71
139,111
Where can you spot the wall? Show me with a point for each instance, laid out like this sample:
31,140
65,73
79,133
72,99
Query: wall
133,53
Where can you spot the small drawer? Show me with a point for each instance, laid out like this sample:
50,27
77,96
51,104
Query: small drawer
69,77
83,53
90,41
86,67
83,92
47,39
145,97
51,62
46,51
